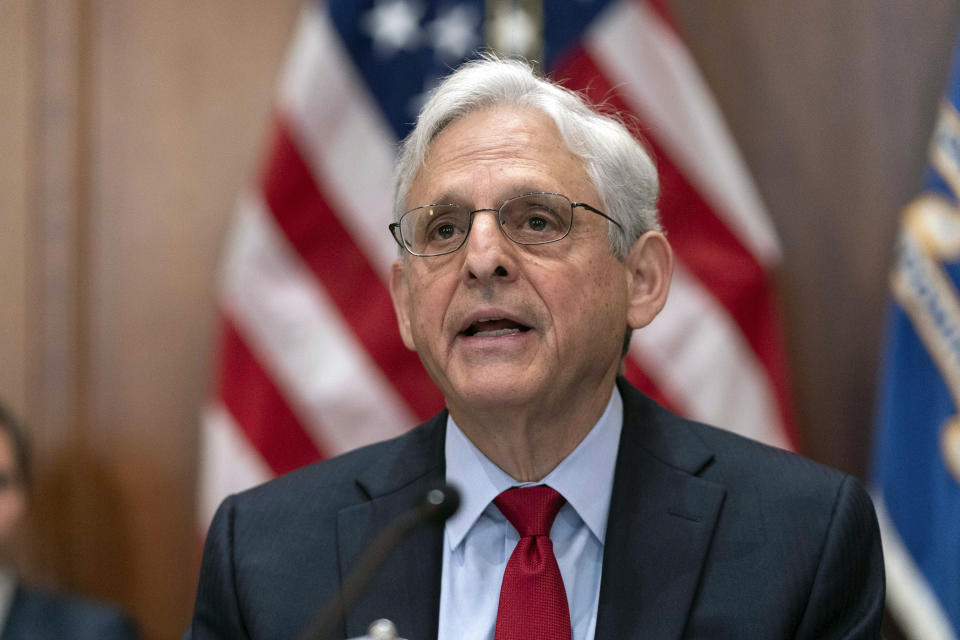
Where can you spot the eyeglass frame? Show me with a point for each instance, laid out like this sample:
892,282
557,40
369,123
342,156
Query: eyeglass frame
397,234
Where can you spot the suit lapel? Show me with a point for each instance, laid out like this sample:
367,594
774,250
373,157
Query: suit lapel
407,588
662,518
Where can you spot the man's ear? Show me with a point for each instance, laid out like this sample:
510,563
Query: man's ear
400,295
650,267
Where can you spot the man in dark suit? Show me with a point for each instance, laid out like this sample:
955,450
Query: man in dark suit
26,612
530,249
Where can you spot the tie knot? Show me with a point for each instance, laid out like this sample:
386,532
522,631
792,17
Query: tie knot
531,510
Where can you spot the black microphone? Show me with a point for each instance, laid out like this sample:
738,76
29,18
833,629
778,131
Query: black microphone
434,508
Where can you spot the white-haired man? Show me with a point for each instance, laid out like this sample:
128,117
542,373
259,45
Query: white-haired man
530,249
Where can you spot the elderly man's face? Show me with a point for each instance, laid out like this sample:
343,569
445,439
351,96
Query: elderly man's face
498,324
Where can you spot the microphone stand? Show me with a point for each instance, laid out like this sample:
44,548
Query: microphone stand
437,505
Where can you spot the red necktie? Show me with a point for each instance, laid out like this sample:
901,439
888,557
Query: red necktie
533,603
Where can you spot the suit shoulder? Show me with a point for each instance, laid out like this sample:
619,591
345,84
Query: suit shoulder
816,520
719,454
736,456
262,542
331,484
784,493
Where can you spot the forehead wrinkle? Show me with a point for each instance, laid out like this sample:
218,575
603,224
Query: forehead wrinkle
511,190
473,149
517,151
459,180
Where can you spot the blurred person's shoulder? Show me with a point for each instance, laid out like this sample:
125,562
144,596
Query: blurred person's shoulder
39,614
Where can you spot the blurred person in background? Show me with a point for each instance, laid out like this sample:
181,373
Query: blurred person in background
27,612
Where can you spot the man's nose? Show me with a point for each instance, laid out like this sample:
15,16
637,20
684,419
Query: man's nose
488,251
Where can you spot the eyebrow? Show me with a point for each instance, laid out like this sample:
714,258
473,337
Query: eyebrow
517,189
447,197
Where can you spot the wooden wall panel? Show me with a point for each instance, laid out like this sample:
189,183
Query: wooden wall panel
55,248
181,98
15,128
832,104
127,131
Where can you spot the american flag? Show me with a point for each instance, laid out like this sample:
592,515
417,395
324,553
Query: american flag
311,362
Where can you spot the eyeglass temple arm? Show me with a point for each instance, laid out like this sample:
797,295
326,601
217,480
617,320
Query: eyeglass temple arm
596,211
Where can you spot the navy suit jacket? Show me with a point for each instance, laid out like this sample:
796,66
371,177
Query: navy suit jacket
710,535
42,615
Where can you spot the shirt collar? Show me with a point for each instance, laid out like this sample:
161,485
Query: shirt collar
584,478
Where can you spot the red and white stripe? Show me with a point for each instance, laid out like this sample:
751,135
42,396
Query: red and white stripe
721,315
311,362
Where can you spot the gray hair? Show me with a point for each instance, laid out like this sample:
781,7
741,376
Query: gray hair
621,169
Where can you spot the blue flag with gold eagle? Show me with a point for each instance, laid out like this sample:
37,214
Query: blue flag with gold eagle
916,475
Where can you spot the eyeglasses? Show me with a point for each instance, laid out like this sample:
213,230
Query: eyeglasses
533,218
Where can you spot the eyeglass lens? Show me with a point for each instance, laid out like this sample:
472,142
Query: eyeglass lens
535,218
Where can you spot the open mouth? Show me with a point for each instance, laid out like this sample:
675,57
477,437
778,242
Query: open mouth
493,328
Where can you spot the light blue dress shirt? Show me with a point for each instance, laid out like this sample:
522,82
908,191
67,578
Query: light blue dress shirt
478,540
